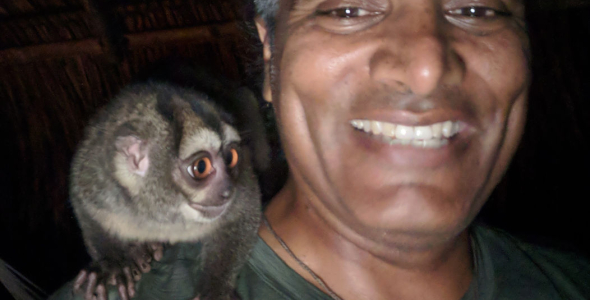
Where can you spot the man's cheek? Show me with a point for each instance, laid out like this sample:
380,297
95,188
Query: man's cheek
514,130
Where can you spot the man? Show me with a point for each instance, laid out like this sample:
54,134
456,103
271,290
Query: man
398,118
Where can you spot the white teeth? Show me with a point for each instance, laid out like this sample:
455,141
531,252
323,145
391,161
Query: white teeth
418,143
437,130
367,125
423,132
356,124
435,143
429,136
376,127
455,128
388,129
404,132
447,129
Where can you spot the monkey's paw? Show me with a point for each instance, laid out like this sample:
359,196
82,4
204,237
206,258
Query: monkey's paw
122,272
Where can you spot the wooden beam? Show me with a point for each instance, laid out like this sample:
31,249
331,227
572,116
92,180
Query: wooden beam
184,35
197,34
14,56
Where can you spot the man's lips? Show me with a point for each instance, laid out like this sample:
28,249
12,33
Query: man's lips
421,145
423,136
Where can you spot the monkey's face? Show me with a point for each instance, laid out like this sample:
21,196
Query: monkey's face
180,166
206,172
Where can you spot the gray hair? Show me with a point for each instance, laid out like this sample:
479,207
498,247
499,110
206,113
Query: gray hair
268,9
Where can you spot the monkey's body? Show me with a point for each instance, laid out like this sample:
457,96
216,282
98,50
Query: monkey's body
136,179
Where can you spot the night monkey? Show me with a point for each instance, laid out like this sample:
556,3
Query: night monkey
164,163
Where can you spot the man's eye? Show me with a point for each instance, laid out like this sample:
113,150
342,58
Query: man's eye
477,12
345,12
350,16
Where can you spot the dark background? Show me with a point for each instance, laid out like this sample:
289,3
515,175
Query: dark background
59,63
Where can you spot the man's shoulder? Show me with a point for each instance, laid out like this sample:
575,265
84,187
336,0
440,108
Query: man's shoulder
266,276
521,265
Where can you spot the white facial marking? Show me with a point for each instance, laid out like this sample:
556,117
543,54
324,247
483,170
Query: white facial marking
203,139
190,213
231,135
128,227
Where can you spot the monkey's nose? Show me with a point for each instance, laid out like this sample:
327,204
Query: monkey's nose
227,193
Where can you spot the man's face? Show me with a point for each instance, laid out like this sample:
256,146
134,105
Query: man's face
399,117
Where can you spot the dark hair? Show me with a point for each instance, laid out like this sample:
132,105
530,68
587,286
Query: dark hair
267,10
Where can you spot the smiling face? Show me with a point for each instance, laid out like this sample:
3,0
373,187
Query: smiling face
399,117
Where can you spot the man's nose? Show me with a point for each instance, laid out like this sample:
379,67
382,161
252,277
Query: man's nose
415,54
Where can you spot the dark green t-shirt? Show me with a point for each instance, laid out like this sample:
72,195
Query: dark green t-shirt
505,269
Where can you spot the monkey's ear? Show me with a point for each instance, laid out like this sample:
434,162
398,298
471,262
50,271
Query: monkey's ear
136,154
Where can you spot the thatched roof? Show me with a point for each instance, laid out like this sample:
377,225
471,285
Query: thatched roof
60,60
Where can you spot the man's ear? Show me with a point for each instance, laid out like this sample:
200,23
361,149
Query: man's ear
266,54
136,154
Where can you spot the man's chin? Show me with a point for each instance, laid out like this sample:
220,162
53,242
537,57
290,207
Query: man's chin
416,236
414,218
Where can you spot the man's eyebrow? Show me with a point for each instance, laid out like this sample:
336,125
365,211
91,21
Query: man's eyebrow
301,3
297,2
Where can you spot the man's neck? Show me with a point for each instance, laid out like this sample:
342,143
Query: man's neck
351,269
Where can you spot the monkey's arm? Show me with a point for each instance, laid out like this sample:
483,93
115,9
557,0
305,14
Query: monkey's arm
114,262
170,278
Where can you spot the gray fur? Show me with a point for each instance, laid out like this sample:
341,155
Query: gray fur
117,209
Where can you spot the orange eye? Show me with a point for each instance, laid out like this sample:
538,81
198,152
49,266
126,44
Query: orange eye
201,168
232,158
